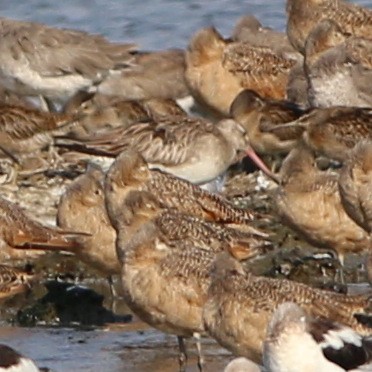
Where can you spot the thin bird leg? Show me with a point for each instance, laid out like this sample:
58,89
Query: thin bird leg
199,348
183,355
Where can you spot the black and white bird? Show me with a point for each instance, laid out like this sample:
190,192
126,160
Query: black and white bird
297,342
12,361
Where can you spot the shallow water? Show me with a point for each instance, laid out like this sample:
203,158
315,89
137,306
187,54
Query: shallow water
152,25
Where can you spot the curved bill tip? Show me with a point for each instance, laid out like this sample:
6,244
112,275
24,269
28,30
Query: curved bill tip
261,165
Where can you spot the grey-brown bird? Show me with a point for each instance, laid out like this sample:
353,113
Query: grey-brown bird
338,67
36,59
250,30
303,16
190,148
158,74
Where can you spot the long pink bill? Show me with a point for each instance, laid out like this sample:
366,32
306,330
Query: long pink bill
260,164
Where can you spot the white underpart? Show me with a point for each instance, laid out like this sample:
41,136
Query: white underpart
24,365
295,350
19,78
337,338
186,103
197,169
333,90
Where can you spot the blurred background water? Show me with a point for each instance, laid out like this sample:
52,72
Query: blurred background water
153,24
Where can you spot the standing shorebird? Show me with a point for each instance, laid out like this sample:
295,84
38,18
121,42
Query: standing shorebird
166,258
218,70
240,305
304,15
38,60
82,207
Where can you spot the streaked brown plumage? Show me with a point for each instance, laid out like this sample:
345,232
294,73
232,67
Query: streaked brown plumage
308,201
13,281
36,59
130,172
166,258
260,116
24,130
100,112
240,305
338,67
304,15
82,208
218,70
175,227
355,185
333,131
190,148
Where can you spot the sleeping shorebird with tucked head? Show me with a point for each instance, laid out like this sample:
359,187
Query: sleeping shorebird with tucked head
166,257
158,74
308,201
99,112
82,207
296,341
334,131
303,16
249,29
355,185
239,306
25,130
260,117
218,70
338,67
36,59
190,148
